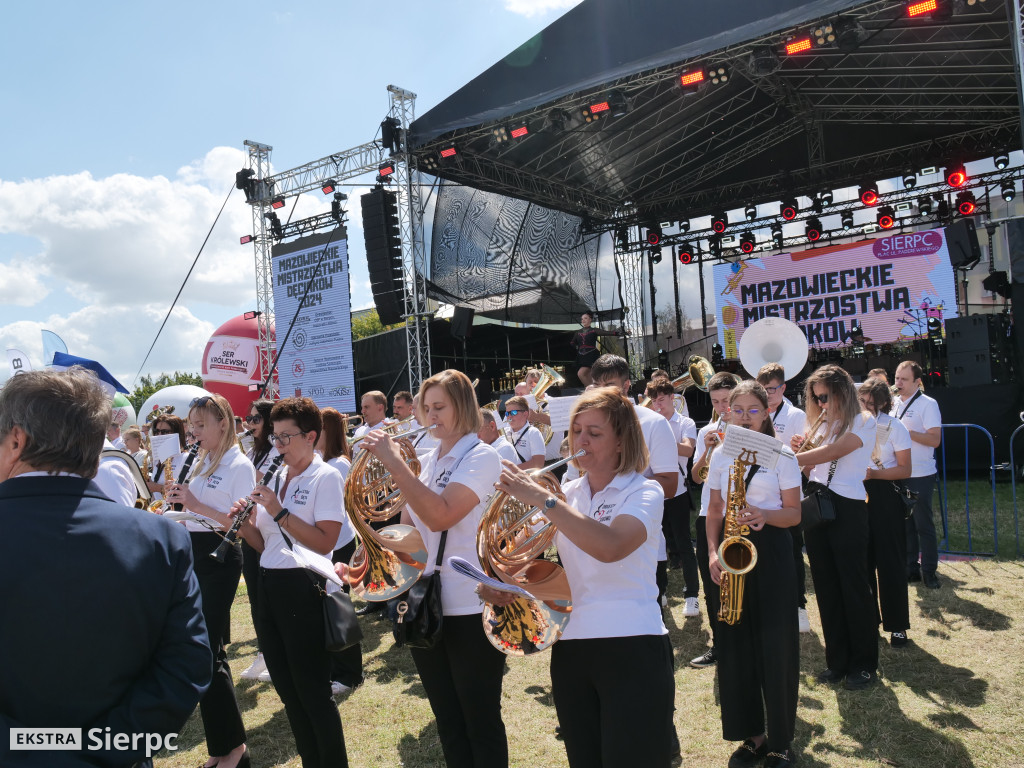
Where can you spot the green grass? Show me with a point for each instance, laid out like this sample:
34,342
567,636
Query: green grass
949,700
976,494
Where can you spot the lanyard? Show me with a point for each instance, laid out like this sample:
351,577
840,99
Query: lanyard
907,407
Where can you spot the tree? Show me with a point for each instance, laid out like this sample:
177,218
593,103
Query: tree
147,386
367,323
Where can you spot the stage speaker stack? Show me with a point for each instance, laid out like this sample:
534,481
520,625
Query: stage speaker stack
979,350
384,253
462,322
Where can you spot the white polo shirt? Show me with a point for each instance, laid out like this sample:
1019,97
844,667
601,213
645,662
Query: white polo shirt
890,436
262,467
661,445
682,427
788,421
848,480
526,443
314,495
617,599
766,486
476,466
922,415
232,479
347,533
505,449
705,491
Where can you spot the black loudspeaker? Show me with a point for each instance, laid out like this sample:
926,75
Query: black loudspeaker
462,322
980,350
1015,241
384,253
962,242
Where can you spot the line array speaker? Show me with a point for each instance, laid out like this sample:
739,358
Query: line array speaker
384,253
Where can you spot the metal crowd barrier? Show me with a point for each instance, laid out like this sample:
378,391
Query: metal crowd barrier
1013,485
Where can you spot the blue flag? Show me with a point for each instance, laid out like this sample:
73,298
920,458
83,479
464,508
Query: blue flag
109,383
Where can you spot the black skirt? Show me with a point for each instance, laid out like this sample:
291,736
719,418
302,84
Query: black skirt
587,359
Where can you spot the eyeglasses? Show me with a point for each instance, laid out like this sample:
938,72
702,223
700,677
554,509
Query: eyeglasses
821,399
513,413
772,390
163,431
255,419
200,402
284,438
749,412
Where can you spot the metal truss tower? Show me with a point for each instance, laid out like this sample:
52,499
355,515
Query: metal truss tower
629,265
259,164
414,260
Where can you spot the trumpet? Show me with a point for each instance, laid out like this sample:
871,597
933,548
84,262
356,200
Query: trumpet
388,561
231,537
510,538
811,439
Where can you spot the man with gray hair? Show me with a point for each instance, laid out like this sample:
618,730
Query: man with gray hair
100,602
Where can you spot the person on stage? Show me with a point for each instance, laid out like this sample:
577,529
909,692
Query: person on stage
720,387
526,439
887,540
920,415
838,550
301,510
584,341
788,421
611,672
461,674
758,657
223,475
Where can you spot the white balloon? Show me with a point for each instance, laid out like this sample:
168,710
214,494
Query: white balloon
179,396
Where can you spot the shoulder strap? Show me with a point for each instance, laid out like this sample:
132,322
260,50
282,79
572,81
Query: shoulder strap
750,473
831,472
907,406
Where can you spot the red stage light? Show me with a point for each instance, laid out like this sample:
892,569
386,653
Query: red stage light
448,152
519,132
813,229
925,6
719,222
277,202
599,107
966,203
685,254
956,177
886,217
798,46
690,79
747,242
386,170
328,187
869,194
789,210
653,236
245,239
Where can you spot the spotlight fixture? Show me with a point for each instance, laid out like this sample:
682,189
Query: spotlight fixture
909,180
244,239
1008,191
747,242
939,10
777,237
1002,160
846,220
684,225
956,176
886,217
557,121
798,45
942,210
925,205
715,246
719,221
813,229
869,193
277,203
789,209
718,74
499,134
384,173
275,225
519,130
685,253
826,197
428,162
656,255
693,80
825,34
328,186
966,203
764,61
613,105
653,235
448,153
750,212
336,211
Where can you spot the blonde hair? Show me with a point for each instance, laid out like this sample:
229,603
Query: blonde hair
460,391
216,407
842,393
622,419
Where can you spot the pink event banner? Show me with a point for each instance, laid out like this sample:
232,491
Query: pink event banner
891,286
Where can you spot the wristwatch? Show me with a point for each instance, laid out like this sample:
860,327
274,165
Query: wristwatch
550,501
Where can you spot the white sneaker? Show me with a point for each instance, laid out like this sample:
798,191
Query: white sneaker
339,689
692,607
258,667
663,601
264,676
802,620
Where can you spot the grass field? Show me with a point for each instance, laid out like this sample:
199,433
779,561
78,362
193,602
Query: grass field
951,699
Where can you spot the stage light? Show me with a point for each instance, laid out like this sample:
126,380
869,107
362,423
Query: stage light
1008,191
244,239
519,130
617,103
275,225
886,217
499,134
956,176
846,220
449,152
685,253
719,221
277,203
1002,160
252,314
428,162
718,74
789,209
328,186
656,255
869,193
684,225
691,81
777,237
909,180
935,329
813,229
750,212
384,172
764,61
925,205
653,235
939,10
798,46
614,105
824,35
557,120
942,210
826,197
622,238
715,246
747,242
966,203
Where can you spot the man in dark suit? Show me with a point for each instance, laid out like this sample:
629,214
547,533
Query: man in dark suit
101,626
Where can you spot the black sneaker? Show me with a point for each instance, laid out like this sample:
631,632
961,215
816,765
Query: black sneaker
931,580
913,576
707,659
747,754
779,759
829,676
898,639
858,681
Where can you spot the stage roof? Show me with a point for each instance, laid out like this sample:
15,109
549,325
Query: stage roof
890,94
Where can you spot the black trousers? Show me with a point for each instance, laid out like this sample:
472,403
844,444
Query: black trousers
838,554
759,657
218,582
347,665
711,596
251,574
291,628
887,555
676,524
462,677
614,699
801,570
921,535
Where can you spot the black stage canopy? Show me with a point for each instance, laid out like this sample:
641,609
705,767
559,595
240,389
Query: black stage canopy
887,94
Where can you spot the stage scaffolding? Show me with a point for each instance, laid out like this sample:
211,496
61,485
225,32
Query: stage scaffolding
629,266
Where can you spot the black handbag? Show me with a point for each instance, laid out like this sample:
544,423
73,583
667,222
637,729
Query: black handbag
907,496
417,614
818,506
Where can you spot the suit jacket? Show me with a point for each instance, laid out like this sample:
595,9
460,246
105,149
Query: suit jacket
101,623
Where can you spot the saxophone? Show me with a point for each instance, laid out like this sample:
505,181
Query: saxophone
736,554
157,505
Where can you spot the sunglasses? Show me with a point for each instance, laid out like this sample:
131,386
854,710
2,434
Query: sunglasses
821,399
255,419
513,413
200,402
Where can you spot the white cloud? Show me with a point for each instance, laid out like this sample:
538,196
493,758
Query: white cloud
21,283
530,8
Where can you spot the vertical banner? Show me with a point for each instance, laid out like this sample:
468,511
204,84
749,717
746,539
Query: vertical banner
18,361
890,287
316,359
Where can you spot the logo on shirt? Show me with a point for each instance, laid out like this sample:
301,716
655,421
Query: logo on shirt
300,496
603,513
213,481
441,481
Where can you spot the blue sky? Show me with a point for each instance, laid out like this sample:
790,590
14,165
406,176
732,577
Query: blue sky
123,126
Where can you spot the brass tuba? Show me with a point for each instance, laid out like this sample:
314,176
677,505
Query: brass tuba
549,378
699,371
736,554
386,562
510,537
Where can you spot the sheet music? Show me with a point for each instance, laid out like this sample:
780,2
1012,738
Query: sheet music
531,402
558,409
303,562
164,447
765,450
467,569
191,517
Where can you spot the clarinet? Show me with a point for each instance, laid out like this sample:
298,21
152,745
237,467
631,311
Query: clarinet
185,468
231,537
